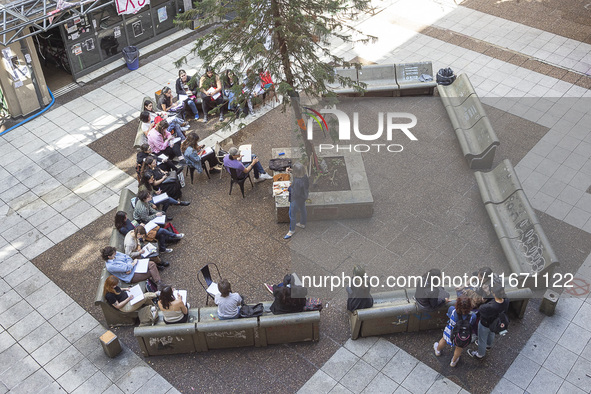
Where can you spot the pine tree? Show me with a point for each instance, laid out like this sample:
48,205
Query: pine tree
288,38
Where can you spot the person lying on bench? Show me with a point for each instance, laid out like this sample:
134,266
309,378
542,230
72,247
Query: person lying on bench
234,160
118,297
123,267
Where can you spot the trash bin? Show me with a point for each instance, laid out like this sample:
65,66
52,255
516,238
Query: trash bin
132,57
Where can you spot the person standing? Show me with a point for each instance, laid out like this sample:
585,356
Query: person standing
298,194
488,312
459,313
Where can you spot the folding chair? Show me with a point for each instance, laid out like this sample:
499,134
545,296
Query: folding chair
216,150
206,273
239,181
191,170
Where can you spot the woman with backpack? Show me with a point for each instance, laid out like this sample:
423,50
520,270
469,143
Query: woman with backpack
493,319
458,332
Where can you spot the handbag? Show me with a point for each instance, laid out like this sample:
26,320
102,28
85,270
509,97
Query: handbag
172,177
313,304
151,235
251,310
279,164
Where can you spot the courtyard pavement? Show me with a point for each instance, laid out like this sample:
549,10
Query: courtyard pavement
53,185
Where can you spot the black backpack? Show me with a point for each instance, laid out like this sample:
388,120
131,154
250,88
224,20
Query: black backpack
461,335
500,323
251,310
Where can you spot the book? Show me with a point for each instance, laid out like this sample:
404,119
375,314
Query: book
142,266
148,250
246,152
182,294
163,157
213,289
215,96
158,198
205,151
174,141
159,219
137,293
150,225
183,97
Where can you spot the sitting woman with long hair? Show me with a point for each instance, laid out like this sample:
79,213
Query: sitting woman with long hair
176,125
153,178
161,141
144,152
191,152
284,303
119,298
134,240
173,309
123,224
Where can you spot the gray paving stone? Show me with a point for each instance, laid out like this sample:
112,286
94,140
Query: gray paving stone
11,356
76,209
340,363
381,384
420,379
89,342
553,187
340,389
32,208
42,216
38,337
43,294
35,383
400,366
11,263
568,307
65,202
157,384
37,247
577,217
584,202
173,391
538,347
62,232
135,378
89,216
522,371
56,195
320,382
14,314
53,306
32,284
18,371
18,200
108,204
115,368
575,338
77,375
545,382
360,346
578,375
583,317
50,349
569,388
559,209
359,376
113,389
6,341
8,300
66,317
65,360
380,353
78,328
27,324
560,361
97,383
443,385
586,354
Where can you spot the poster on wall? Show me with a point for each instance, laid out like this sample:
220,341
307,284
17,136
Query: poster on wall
9,58
138,30
129,6
89,44
117,32
162,15
77,49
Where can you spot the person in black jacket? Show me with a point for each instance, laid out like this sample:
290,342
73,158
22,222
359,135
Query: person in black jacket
358,297
489,311
185,85
284,302
429,297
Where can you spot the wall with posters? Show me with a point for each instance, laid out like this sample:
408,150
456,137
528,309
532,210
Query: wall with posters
99,37
17,67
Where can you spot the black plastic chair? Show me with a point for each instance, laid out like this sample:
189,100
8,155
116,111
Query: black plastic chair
191,171
239,181
206,274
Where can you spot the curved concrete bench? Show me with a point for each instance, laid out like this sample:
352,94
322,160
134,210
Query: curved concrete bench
221,334
407,77
476,136
380,80
347,73
162,338
289,327
516,224
456,93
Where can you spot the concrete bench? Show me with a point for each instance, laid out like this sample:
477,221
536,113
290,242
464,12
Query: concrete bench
140,137
476,136
380,80
347,73
407,78
222,334
289,327
162,338
456,93
396,311
516,224
113,316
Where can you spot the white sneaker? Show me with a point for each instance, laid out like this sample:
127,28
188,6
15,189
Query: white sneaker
437,352
300,225
265,176
185,128
259,179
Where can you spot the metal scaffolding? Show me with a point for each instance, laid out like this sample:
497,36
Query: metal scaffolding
40,16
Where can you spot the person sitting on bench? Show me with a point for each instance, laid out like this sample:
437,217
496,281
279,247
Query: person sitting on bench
234,160
173,309
186,86
210,87
119,298
161,142
123,267
427,296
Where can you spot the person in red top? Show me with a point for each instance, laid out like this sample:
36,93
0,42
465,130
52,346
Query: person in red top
267,85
